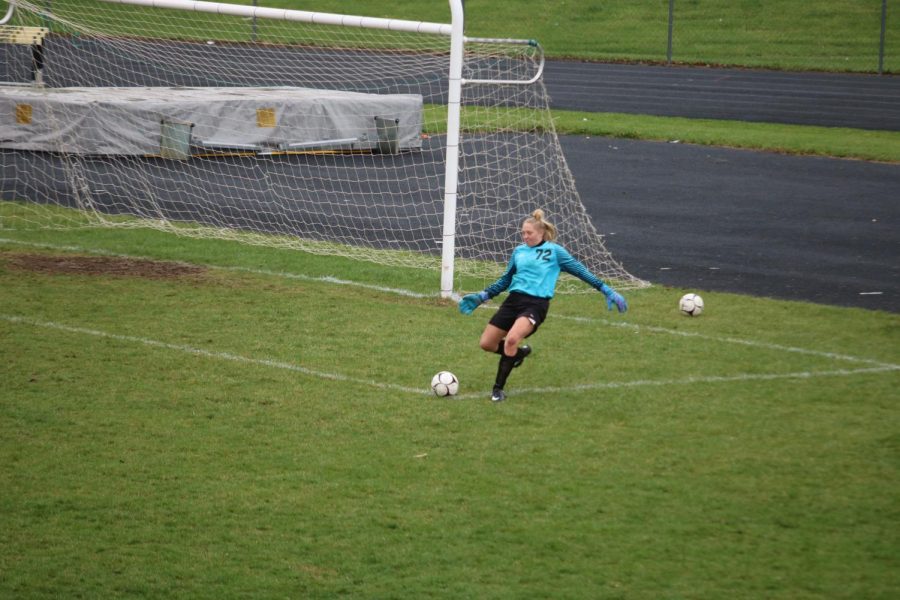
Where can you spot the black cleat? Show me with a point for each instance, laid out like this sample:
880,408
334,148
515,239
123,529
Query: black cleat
524,351
498,395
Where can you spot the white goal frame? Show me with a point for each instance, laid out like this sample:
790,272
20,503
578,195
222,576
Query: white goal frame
202,150
457,49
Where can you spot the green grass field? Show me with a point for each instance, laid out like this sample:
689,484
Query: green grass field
246,426
185,418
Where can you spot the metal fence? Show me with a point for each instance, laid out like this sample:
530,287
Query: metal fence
851,37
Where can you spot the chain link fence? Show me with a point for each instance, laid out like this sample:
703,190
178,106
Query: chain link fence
850,35
826,35
800,35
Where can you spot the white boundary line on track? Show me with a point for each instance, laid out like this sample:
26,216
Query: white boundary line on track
875,366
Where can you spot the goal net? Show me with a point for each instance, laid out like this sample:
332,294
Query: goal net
254,127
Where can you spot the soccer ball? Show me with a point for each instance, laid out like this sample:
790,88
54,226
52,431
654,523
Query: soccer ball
691,305
444,383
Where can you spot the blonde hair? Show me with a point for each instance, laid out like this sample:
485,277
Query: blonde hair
537,219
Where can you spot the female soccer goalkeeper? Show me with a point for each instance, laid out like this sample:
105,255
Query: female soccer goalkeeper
531,280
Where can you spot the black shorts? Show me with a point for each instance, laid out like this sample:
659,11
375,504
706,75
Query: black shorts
518,305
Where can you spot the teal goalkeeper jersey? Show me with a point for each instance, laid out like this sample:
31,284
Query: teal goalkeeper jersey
534,271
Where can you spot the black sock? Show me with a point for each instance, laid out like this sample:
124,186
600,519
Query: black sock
503,370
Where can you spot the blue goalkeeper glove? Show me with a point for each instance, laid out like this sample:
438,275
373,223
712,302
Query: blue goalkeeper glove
472,301
614,298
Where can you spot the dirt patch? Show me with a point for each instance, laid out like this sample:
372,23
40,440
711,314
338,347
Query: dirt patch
112,266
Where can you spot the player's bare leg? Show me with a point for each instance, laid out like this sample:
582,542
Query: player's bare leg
491,338
520,330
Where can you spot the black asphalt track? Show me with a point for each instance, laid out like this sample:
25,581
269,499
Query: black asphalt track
854,100
791,227
798,228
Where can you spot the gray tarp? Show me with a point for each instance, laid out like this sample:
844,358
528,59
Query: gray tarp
128,121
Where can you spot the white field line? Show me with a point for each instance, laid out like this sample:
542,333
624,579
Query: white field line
730,340
274,364
875,366
615,385
409,293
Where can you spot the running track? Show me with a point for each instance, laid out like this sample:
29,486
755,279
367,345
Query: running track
790,227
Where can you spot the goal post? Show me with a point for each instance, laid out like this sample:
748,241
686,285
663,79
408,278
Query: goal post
407,143
451,178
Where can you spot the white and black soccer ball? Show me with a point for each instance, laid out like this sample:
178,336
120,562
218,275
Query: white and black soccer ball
691,305
444,383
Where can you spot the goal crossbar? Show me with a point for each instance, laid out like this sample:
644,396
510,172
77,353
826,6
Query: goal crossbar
280,14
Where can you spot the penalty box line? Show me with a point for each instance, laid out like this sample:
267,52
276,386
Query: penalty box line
409,293
275,364
615,385
263,362
738,341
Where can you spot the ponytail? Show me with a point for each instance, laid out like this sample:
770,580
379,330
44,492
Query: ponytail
549,229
